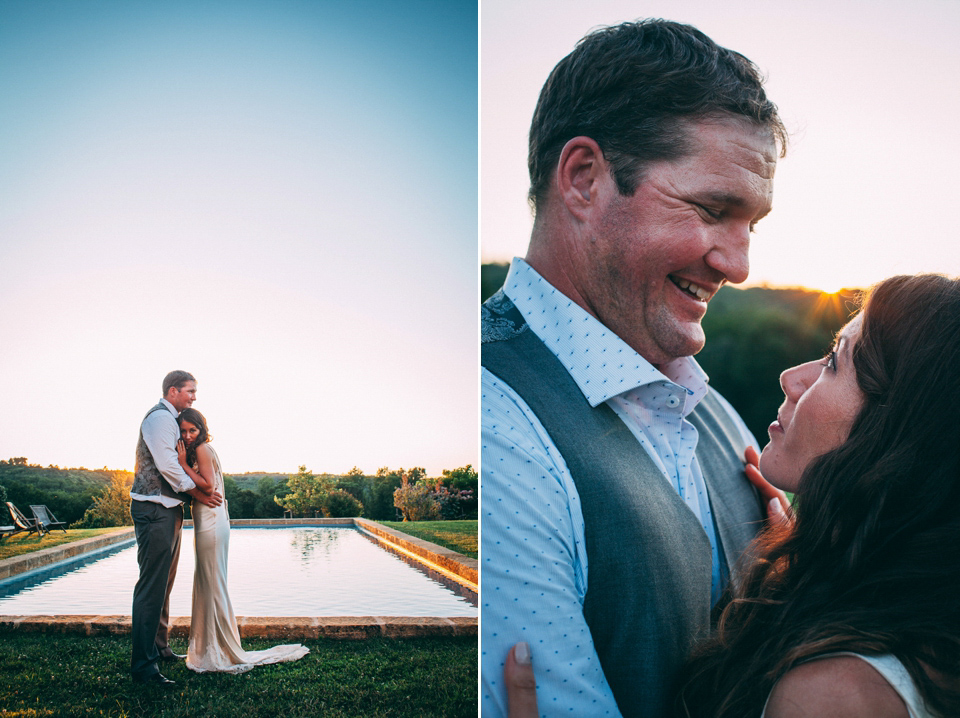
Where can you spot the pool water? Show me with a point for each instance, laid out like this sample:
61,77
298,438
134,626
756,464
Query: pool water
302,571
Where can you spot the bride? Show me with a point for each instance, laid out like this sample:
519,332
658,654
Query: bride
214,638
852,607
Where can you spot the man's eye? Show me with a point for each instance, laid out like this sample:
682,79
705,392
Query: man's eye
713,214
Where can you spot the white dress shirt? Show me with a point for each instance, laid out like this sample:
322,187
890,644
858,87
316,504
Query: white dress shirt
161,432
533,556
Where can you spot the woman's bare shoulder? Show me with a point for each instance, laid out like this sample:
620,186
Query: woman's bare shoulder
835,687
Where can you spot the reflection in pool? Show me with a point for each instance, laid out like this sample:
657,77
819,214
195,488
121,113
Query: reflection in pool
303,571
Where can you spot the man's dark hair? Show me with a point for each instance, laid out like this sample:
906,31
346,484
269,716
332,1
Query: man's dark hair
176,379
631,88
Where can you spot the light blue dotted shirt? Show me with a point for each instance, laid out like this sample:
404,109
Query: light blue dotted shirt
533,556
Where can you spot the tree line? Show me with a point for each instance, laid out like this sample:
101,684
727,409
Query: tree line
101,498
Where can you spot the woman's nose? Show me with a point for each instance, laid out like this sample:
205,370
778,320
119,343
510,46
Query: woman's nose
796,380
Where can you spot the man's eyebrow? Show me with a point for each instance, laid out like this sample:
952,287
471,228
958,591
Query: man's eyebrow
727,199
732,200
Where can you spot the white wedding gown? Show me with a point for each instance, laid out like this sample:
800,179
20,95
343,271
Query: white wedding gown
214,638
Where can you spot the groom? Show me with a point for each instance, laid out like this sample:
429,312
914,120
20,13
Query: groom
615,505
160,488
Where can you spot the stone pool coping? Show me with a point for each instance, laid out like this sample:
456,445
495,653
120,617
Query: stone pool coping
47,556
275,628
455,566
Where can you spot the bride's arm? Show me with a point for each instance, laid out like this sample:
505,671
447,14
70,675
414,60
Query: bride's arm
204,479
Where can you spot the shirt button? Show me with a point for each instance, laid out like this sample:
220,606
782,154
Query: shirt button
673,402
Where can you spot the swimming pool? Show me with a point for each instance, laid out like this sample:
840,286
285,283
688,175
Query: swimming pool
291,571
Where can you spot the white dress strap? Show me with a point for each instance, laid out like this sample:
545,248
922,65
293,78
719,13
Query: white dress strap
890,667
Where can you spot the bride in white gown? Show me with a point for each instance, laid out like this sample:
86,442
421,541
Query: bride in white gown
214,638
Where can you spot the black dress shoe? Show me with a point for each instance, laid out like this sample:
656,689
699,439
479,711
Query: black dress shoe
172,657
154,679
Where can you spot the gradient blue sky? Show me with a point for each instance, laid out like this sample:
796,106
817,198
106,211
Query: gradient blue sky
280,197
866,87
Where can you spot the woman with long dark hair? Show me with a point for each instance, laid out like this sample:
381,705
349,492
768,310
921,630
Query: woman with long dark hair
214,637
853,607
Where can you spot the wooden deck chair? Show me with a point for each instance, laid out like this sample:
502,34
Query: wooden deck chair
22,522
45,518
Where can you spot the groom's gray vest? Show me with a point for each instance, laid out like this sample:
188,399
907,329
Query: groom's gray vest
147,479
649,559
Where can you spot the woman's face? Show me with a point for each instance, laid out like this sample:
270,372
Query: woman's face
188,432
822,400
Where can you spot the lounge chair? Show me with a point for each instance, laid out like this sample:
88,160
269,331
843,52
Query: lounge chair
9,531
22,522
45,518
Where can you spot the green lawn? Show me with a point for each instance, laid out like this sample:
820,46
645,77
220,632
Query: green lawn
459,536
62,675
22,543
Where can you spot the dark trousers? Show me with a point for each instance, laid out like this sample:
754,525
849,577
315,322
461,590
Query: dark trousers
158,552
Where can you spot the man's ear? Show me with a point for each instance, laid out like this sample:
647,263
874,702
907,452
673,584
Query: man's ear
582,175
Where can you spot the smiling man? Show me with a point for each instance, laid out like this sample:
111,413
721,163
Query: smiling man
613,495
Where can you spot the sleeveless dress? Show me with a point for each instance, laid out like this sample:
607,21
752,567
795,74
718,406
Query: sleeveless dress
214,638
893,671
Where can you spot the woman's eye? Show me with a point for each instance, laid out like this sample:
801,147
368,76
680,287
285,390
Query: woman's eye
830,361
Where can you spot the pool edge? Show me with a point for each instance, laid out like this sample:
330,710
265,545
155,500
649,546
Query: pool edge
342,627
16,565
270,627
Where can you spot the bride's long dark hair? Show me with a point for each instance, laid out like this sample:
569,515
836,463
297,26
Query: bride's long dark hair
872,564
198,420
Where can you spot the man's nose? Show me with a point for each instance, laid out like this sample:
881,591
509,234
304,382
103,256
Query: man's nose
731,254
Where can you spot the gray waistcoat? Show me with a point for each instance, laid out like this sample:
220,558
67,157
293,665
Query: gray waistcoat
649,560
147,479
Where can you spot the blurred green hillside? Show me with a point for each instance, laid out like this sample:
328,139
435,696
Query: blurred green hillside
752,335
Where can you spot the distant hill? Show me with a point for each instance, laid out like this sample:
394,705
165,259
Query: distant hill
251,479
67,492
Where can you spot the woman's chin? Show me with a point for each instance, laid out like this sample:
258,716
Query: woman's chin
783,480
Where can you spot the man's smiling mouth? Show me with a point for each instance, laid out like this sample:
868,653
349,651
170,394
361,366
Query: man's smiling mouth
694,290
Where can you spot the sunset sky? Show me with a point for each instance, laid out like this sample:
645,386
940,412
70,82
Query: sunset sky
867,89
280,197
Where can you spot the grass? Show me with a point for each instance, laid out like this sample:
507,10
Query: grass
45,675
459,536
23,543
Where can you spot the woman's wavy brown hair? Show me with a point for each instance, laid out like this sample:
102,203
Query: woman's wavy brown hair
199,421
872,563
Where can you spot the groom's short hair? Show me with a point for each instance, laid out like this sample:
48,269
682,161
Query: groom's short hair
176,379
633,88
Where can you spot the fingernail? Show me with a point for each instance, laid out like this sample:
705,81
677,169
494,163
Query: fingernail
521,653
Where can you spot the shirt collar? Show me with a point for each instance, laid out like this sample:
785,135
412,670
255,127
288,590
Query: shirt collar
170,407
601,363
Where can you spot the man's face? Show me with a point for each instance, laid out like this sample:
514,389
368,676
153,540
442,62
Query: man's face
654,260
183,397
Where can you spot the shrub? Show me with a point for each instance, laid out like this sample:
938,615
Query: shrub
340,504
415,502
111,507
307,492
454,504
